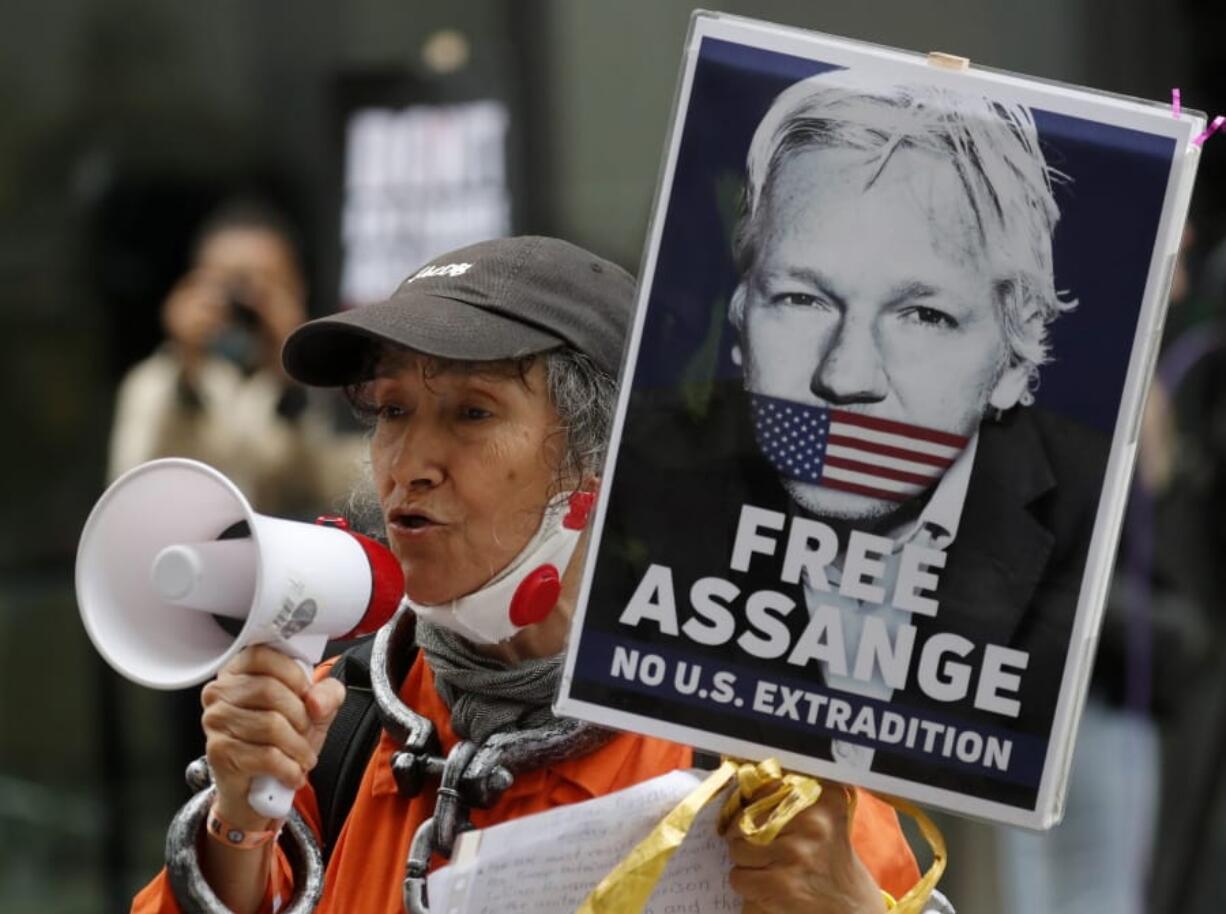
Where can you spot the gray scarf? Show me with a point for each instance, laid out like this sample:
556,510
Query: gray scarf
485,695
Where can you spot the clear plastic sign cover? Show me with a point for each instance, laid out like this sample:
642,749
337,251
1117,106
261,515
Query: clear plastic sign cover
878,416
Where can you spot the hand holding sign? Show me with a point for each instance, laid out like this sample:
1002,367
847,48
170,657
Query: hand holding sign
809,867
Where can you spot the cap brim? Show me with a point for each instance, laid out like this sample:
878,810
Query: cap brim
334,351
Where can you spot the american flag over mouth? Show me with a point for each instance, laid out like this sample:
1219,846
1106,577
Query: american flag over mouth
852,452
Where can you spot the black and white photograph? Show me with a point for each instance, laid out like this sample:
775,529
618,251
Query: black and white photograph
873,454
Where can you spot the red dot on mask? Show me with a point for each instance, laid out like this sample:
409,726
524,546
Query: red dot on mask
580,506
536,596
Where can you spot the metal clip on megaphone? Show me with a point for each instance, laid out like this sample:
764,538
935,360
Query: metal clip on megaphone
173,544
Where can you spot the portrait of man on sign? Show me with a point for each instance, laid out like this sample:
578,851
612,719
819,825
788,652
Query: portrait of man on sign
883,356
896,277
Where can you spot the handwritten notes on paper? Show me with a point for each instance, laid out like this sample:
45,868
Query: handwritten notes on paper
547,863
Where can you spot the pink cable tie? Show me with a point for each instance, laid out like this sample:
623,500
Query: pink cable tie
1210,130
1176,107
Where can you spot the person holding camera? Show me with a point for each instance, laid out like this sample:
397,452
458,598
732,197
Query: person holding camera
215,391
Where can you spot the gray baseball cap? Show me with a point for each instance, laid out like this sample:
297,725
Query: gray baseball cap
500,299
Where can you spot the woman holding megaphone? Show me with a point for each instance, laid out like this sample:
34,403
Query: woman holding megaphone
489,379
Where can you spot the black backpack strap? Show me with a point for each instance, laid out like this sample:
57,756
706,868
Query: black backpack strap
347,748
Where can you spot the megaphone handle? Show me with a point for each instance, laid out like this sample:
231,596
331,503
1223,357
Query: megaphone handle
268,796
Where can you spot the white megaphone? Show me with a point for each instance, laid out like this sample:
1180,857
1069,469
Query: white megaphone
173,543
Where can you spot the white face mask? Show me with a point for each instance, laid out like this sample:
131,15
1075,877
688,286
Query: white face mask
527,589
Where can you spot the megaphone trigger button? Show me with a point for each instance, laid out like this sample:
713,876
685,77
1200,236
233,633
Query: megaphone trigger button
536,596
332,520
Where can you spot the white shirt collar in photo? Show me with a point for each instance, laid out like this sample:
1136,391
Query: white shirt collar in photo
940,517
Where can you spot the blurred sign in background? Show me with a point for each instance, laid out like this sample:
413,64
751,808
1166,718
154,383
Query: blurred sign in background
419,181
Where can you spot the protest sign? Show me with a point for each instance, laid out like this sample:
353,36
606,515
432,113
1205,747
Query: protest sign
878,416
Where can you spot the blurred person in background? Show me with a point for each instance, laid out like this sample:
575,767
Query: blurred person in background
214,391
1099,858
1188,541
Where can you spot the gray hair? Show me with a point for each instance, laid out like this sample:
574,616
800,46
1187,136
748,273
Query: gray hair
992,145
584,397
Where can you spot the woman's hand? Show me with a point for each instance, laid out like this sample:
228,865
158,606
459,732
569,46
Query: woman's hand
193,315
810,867
262,715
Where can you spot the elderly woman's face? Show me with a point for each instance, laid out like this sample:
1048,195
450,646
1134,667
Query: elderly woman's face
463,463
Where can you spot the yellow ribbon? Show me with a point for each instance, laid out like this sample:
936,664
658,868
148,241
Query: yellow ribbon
790,794
917,897
626,889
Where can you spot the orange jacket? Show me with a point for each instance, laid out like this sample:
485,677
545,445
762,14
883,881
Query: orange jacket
366,870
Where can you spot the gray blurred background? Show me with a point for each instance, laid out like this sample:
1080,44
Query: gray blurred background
123,121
